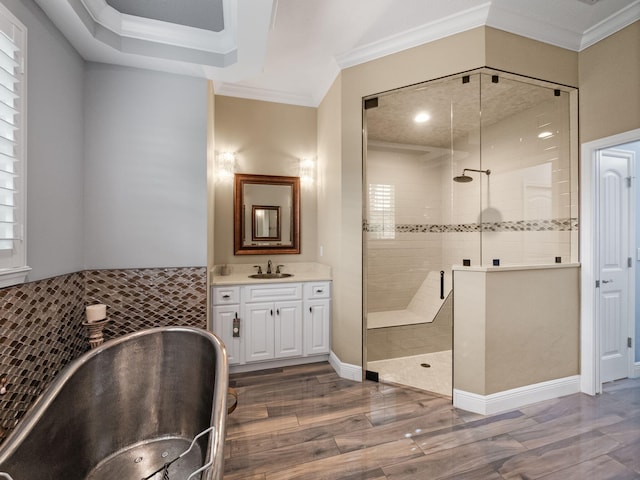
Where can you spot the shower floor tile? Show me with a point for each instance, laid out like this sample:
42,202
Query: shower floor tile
409,371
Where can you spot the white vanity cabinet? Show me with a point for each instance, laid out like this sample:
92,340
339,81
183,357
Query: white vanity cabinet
226,318
277,322
317,315
273,319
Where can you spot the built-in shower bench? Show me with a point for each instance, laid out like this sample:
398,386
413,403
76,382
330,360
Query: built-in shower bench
423,307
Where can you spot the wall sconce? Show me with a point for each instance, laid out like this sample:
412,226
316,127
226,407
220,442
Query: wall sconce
226,165
307,170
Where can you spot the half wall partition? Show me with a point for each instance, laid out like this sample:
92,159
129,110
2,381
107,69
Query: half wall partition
476,169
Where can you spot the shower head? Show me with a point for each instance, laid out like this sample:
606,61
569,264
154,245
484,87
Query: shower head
464,178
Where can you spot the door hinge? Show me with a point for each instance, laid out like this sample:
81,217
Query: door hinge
629,342
629,182
597,283
629,262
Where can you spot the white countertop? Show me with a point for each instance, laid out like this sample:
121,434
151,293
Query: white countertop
302,272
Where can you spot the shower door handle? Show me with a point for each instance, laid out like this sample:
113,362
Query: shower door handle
441,284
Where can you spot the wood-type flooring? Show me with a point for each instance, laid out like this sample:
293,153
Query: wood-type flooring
305,422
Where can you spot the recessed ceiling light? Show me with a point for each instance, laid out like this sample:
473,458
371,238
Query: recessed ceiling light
421,117
545,134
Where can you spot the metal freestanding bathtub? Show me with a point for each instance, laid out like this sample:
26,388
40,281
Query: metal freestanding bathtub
130,410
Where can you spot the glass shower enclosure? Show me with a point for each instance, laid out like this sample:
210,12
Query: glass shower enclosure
474,169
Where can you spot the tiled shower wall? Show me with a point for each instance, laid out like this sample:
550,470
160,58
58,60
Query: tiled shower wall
398,259
524,212
41,325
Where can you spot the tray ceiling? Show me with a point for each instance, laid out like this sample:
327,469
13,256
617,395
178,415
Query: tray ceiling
204,14
291,50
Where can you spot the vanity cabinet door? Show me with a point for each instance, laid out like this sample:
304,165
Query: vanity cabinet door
316,327
259,324
288,329
223,320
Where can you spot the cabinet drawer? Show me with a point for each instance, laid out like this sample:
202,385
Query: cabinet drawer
317,290
273,292
225,295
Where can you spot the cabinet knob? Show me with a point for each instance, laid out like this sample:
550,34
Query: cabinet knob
319,291
226,296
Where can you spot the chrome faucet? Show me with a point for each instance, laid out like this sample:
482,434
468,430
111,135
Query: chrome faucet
269,266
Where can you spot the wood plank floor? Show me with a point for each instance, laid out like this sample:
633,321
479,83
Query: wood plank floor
305,422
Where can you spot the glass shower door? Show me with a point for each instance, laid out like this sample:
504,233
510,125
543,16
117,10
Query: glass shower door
418,224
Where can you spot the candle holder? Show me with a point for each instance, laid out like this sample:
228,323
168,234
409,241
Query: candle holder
95,328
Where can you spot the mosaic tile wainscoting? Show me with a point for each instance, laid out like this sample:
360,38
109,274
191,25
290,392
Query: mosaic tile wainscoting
151,297
40,333
41,324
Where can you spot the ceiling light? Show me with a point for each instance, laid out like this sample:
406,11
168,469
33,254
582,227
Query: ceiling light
545,134
421,117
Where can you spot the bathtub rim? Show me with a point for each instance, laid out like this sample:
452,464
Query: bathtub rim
215,445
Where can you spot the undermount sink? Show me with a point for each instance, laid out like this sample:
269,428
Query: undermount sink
266,276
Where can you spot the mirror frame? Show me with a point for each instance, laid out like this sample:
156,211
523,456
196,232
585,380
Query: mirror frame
241,180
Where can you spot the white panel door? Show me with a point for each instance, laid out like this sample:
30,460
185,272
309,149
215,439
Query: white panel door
316,327
223,319
288,329
614,252
258,340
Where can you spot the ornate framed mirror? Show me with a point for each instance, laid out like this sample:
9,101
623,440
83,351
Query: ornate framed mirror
266,215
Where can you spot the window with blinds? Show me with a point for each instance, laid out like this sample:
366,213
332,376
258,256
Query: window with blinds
382,221
12,149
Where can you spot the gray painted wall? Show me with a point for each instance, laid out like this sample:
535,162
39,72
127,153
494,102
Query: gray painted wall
145,168
54,146
116,160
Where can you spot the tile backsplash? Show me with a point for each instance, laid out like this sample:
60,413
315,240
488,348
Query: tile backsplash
41,324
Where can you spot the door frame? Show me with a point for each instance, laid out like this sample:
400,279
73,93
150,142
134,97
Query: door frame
589,322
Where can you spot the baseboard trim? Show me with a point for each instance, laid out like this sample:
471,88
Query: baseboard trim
345,370
284,362
515,398
636,370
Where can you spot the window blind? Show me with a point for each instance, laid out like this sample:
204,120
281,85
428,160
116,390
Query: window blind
382,211
12,144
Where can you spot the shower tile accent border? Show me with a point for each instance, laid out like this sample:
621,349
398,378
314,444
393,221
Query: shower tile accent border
557,225
41,327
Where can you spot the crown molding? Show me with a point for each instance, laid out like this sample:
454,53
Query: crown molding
146,45
611,25
262,94
266,95
459,22
158,32
534,28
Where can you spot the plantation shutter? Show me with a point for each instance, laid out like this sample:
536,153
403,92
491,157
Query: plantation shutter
12,144
382,211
